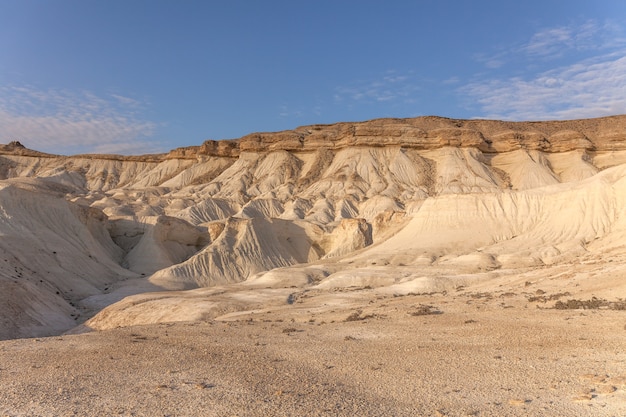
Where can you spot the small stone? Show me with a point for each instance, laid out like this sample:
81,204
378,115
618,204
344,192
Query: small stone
586,396
606,389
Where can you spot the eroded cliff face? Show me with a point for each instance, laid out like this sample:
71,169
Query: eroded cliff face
425,133
228,211
598,142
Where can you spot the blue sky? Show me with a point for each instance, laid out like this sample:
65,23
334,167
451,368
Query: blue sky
143,76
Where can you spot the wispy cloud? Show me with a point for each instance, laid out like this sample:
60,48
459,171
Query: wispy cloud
451,81
555,42
550,41
131,102
589,80
589,88
589,35
286,111
61,121
391,87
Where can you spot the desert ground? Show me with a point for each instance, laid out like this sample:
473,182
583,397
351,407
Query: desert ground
404,267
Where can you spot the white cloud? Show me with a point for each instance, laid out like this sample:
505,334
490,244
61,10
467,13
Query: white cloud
390,87
451,80
555,42
286,111
126,100
550,41
589,88
590,80
60,121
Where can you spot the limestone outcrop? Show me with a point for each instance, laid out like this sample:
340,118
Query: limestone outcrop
320,204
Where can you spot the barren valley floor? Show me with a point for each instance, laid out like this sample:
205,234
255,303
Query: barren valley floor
483,354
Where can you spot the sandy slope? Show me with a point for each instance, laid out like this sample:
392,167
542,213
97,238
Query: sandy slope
54,254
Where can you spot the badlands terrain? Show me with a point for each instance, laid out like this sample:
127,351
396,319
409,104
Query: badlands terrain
404,267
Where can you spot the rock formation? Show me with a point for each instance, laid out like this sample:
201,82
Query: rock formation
326,205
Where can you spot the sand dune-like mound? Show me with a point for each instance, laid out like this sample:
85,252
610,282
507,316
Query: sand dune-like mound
243,248
159,242
54,253
529,220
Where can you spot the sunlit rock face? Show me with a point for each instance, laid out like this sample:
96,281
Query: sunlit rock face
323,205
